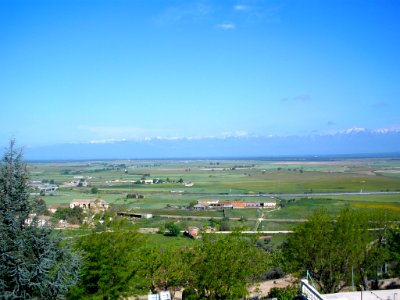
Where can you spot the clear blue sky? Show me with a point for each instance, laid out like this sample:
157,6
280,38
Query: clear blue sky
79,71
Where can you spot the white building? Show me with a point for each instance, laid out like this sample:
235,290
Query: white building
95,204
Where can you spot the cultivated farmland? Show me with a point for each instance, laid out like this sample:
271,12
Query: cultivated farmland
168,189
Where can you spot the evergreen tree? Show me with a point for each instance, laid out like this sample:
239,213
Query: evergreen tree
34,262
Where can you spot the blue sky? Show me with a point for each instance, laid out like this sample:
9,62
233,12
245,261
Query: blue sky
91,71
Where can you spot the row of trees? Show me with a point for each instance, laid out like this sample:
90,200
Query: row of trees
119,262
334,250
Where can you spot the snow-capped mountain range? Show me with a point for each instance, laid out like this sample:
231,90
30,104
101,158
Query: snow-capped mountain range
354,141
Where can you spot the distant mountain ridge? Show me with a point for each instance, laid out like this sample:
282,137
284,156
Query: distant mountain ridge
341,143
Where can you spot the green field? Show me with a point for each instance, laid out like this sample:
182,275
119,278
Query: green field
224,180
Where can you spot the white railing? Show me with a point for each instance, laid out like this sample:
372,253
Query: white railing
309,291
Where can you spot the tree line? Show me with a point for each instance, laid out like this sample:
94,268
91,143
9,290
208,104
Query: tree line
119,262
353,246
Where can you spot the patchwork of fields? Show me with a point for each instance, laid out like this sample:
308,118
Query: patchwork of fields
179,184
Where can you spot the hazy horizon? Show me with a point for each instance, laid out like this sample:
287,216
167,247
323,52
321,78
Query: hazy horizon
343,144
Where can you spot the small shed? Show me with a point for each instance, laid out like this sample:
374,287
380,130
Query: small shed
199,207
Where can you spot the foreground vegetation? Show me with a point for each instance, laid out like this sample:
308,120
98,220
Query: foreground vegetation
352,246
120,262
34,262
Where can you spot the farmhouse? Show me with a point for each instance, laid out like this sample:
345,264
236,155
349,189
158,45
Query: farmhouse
199,207
270,204
44,187
208,202
245,204
95,204
215,204
75,183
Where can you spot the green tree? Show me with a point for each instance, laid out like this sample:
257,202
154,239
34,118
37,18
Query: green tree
173,229
328,248
393,244
34,262
222,267
110,262
371,250
225,224
71,215
163,268
39,206
192,204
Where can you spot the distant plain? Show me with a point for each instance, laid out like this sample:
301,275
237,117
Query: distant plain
248,180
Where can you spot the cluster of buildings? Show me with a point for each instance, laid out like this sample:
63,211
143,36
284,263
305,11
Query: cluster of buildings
75,183
81,181
85,204
44,187
142,181
217,204
94,205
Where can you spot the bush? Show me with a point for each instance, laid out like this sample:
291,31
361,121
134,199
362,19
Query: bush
287,293
173,229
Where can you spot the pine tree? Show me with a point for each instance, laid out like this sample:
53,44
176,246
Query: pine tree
34,261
